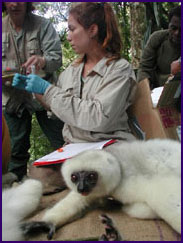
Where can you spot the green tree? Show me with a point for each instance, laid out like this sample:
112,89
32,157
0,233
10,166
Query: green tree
137,15
156,17
122,14
40,145
137,21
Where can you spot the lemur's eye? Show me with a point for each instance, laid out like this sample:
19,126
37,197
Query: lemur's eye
74,178
92,176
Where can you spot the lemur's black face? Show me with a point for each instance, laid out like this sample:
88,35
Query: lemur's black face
85,181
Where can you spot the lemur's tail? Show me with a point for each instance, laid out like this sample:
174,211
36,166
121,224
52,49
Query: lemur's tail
17,203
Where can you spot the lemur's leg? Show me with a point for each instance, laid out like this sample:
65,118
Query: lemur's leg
165,199
139,210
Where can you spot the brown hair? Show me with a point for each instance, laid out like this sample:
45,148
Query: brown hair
101,14
175,12
30,7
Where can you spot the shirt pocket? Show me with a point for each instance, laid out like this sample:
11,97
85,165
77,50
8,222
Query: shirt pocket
5,44
67,89
33,46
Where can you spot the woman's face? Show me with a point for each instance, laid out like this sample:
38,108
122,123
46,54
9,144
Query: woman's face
78,37
16,9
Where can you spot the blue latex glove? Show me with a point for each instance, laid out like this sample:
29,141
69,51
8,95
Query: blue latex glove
19,81
35,84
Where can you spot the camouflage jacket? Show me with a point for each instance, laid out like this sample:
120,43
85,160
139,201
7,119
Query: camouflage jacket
157,56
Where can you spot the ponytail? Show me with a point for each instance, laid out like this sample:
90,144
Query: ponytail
112,41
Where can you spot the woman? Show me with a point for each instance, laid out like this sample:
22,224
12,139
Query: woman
93,94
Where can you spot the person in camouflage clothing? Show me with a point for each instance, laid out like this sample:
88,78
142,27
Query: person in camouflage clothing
163,47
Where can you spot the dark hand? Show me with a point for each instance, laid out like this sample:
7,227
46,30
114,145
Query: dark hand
36,60
112,233
175,67
33,227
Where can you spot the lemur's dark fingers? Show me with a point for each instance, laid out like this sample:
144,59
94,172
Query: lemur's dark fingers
33,227
51,232
103,238
105,219
112,233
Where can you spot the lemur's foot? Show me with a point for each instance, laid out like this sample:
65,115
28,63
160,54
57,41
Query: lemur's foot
112,233
34,227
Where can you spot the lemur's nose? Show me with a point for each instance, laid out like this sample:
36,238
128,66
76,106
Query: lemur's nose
82,187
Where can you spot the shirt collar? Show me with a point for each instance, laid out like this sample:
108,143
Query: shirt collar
100,67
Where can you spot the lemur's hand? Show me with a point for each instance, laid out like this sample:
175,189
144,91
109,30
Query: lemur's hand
30,228
112,233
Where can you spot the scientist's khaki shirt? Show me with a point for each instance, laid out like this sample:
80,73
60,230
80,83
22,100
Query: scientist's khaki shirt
94,108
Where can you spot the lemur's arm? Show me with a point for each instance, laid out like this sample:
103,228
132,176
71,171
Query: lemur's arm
67,210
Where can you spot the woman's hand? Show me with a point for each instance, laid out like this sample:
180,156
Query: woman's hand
19,81
35,84
31,83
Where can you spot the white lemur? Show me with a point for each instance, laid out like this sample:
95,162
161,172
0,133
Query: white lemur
17,203
144,175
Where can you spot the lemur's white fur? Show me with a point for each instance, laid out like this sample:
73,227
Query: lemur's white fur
17,203
144,175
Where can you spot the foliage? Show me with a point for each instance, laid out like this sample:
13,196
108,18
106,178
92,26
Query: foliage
122,13
156,16
68,55
56,11
59,20
40,145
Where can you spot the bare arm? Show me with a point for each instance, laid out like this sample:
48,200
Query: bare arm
40,98
147,117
